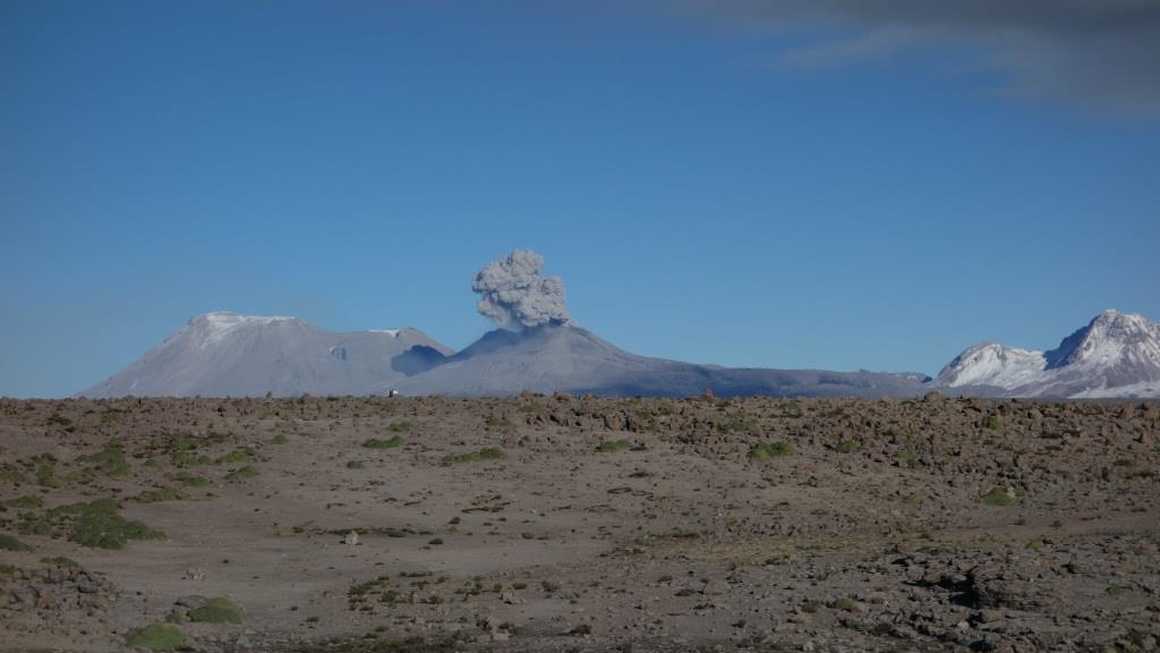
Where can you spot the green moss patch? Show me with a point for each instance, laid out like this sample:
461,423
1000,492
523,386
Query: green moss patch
242,455
770,450
109,461
46,471
249,471
11,474
848,445
61,561
9,543
156,637
610,446
158,495
389,443
1000,496
218,610
907,458
97,524
185,458
26,502
183,443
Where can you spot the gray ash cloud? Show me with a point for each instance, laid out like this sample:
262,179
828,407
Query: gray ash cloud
516,295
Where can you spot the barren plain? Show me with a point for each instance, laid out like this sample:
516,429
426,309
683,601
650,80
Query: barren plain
562,523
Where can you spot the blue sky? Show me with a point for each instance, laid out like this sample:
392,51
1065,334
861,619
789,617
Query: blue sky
355,163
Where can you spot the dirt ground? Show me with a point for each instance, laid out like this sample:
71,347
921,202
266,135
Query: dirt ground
579,524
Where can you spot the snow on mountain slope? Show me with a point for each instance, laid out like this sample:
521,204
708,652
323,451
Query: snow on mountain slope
227,354
1116,354
1146,390
993,364
1112,338
216,327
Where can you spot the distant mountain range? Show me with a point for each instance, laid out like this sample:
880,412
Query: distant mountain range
226,354
1115,355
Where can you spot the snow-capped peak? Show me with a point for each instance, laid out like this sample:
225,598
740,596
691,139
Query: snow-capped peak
215,326
992,364
1115,350
229,318
1110,336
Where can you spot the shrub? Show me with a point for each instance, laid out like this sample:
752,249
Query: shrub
156,637
242,455
158,495
907,458
94,524
609,446
9,474
738,423
189,459
218,610
9,543
249,471
849,445
769,450
46,473
1000,496
389,443
845,604
61,561
98,525
26,502
184,444
109,461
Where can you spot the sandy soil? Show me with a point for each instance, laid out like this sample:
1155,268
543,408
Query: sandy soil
580,524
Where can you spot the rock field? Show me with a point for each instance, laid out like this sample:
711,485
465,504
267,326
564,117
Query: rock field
562,523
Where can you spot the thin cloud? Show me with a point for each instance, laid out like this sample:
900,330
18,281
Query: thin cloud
1103,53
870,45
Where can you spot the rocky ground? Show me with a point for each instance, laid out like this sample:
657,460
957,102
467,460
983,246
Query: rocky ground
578,524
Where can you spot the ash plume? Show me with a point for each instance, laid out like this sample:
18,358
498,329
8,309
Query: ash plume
517,296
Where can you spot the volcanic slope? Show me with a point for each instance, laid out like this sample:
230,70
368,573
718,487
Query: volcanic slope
226,354
565,358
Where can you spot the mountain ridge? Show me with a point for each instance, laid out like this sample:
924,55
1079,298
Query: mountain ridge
1114,350
228,354
569,358
223,353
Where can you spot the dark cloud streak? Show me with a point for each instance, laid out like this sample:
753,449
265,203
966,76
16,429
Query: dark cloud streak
1100,53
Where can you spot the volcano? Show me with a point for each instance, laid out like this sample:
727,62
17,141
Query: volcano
567,358
227,354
